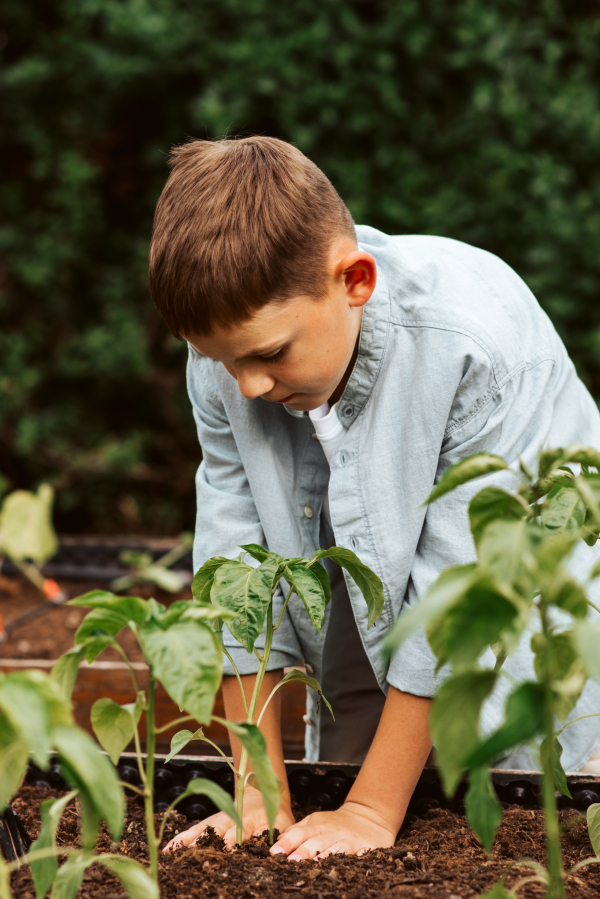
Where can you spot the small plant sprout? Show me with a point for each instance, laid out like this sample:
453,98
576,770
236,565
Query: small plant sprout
520,580
27,537
146,571
36,722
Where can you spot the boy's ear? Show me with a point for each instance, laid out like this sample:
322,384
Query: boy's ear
359,273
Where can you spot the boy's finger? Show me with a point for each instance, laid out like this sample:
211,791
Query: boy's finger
342,846
310,848
292,838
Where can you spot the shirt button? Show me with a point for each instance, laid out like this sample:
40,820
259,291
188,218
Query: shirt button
308,511
348,411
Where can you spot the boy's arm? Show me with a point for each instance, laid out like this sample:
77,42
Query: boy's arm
374,810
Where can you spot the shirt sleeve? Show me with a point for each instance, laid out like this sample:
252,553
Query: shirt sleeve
514,424
226,513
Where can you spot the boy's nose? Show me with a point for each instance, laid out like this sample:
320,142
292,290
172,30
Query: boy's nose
254,384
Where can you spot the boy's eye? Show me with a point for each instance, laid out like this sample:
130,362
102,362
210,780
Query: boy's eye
277,356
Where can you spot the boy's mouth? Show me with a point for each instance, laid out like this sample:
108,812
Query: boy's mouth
286,399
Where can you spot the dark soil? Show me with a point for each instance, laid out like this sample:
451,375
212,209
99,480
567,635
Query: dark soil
52,633
438,857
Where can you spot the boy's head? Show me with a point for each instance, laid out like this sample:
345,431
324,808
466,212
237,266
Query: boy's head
253,253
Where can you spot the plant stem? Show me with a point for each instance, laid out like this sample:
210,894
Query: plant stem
241,777
556,883
149,790
593,605
182,720
283,608
237,674
581,717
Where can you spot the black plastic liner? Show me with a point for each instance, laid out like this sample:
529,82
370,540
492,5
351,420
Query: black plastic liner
96,557
14,839
326,785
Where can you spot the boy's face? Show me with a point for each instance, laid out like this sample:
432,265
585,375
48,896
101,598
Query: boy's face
300,351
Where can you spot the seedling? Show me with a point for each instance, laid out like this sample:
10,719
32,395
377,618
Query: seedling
183,646
36,721
144,570
475,614
27,537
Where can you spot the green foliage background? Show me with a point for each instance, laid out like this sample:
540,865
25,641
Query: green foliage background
479,121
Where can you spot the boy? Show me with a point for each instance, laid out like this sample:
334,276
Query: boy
365,366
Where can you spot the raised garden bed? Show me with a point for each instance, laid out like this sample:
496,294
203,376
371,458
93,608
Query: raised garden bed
436,855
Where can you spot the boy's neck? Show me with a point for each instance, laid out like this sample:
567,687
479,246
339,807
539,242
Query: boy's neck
335,396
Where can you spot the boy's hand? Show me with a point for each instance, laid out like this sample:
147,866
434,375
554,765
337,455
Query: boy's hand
255,822
353,829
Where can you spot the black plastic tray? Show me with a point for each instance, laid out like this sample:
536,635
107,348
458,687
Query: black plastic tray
326,785
96,557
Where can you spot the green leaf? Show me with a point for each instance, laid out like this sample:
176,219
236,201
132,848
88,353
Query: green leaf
593,823
465,470
308,587
560,778
66,668
454,721
92,775
14,757
26,706
491,504
484,812
44,869
130,608
464,630
70,875
203,579
506,550
301,677
551,459
451,585
26,530
202,787
246,592
114,724
569,596
588,488
366,580
586,637
134,877
557,653
260,553
162,577
524,720
321,572
100,624
181,739
268,783
563,509
187,660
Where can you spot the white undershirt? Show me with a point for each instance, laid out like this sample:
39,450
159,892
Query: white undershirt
329,430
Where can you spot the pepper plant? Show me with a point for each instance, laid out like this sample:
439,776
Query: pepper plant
183,646
247,593
36,722
27,536
182,652
474,616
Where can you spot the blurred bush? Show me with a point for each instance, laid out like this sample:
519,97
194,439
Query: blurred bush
474,120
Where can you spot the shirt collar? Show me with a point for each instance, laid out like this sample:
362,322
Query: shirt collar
371,346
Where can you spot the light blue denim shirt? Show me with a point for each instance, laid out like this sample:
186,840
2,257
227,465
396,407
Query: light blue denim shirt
455,357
